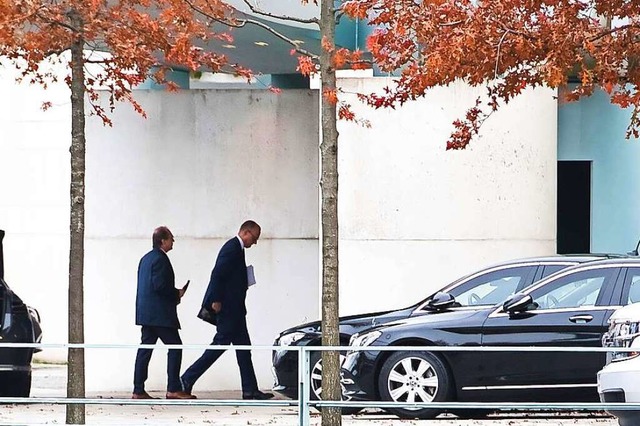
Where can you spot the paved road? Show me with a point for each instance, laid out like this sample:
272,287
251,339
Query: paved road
232,416
50,382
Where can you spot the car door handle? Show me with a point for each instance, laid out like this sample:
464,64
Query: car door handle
581,319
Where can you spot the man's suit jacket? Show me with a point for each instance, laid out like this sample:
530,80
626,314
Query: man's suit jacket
228,285
157,298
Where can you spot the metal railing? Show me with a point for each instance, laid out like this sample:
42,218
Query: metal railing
304,401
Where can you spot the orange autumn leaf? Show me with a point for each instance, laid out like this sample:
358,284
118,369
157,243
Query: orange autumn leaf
327,45
331,95
341,57
355,9
306,66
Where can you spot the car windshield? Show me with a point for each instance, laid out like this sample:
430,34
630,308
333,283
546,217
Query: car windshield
487,287
488,293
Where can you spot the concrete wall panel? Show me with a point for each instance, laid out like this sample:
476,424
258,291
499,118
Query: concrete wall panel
201,163
413,216
417,216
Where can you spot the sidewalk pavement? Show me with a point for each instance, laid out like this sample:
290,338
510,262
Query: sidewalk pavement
51,382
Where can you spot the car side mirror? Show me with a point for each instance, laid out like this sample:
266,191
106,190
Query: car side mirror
518,302
441,300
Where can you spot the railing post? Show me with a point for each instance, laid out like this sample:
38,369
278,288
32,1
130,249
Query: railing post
303,386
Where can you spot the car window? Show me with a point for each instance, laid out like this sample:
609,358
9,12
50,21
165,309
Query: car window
492,287
552,269
572,291
632,281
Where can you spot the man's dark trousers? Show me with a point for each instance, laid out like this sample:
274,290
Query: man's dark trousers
239,336
150,336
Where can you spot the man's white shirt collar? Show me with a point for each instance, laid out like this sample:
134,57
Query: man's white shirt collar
241,242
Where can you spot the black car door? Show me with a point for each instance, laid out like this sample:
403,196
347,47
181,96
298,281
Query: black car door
571,310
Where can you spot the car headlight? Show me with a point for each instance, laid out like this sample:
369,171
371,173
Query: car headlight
365,339
291,338
623,334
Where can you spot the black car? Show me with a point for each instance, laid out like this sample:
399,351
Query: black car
567,309
19,323
478,290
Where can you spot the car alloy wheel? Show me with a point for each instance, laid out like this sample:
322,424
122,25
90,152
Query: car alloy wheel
316,382
414,377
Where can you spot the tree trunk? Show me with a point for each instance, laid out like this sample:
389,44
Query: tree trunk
331,416
75,371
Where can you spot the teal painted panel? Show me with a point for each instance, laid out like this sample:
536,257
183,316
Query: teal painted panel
593,129
179,77
347,33
364,29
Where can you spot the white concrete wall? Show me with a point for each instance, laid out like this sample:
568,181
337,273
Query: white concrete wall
34,198
415,216
202,162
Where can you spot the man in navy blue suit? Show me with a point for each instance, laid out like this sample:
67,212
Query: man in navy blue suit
156,311
226,296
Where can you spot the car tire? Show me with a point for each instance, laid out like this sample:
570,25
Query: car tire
17,385
316,382
414,377
628,421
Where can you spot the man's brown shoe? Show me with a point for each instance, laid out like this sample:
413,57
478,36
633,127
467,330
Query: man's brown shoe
180,395
142,395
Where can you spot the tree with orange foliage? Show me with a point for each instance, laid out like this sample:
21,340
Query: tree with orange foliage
137,40
325,63
505,46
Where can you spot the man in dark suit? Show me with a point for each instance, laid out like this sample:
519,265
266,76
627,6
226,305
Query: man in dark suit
225,296
156,311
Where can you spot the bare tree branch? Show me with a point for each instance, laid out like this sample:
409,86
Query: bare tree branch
94,61
239,23
282,17
495,71
613,30
361,61
512,31
293,43
57,52
57,23
451,24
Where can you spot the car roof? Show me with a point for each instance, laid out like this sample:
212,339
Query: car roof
568,258
618,261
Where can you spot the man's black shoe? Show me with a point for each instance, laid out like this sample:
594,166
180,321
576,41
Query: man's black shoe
256,394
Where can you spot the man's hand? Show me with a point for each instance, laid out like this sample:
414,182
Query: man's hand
216,307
